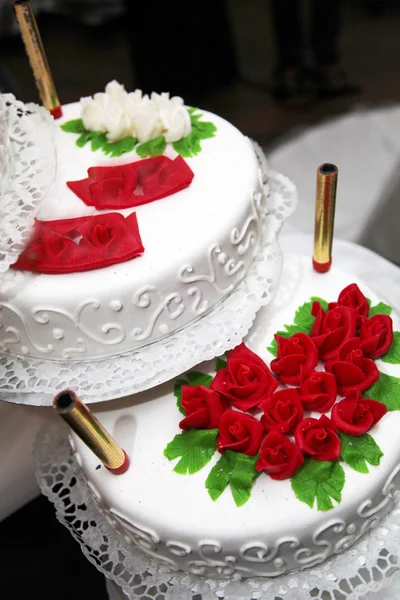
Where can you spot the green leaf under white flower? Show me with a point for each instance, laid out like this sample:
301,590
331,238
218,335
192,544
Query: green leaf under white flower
115,149
73,126
154,147
201,130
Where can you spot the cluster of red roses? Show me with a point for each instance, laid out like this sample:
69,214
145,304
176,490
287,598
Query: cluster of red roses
346,340
86,243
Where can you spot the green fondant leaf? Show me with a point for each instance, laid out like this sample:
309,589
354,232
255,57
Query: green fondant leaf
118,148
356,451
273,348
154,147
368,301
188,146
195,447
242,478
385,390
98,140
178,393
393,356
303,316
220,362
194,114
204,129
320,481
201,130
236,469
74,126
197,378
379,309
84,138
220,474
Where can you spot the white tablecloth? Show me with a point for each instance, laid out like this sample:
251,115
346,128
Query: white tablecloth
20,424
365,145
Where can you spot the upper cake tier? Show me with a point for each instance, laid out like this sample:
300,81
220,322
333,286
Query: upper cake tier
198,244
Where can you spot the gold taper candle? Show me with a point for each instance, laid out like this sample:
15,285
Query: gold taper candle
327,175
91,431
37,56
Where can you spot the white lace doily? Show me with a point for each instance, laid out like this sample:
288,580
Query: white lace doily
368,567
35,382
27,167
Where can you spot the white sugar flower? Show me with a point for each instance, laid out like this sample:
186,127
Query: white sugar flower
120,114
174,117
103,113
146,121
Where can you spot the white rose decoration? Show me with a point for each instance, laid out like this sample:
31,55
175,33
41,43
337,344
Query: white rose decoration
146,121
174,117
104,113
121,114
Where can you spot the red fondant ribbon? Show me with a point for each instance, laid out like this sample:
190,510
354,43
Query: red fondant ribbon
81,244
140,182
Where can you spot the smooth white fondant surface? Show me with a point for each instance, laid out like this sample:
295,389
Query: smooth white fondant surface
172,517
199,243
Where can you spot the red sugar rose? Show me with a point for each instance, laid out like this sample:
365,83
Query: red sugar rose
282,411
279,457
293,353
203,407
352,369
81,244
318,438
356,415
56,246
246,380
331,329
239,432
133,184
376,335
318,390
352,297
112,186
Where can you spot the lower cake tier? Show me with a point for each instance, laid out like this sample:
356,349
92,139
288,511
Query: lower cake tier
273,458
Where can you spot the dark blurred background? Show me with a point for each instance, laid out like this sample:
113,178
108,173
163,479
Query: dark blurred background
228,48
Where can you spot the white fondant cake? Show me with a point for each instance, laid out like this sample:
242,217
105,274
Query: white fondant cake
199,243
171,516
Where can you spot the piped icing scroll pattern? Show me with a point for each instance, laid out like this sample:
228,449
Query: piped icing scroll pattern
157,314
272,419
80,508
